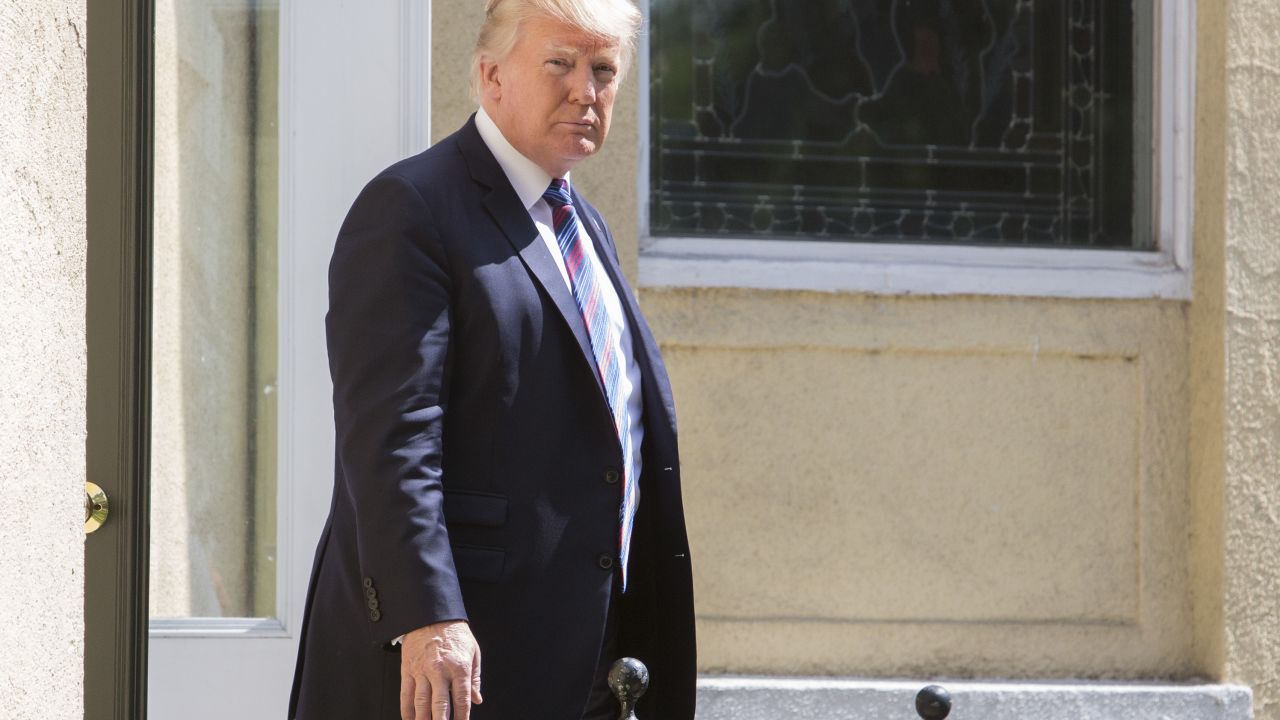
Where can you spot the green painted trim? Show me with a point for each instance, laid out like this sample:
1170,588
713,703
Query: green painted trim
119,167
1146,124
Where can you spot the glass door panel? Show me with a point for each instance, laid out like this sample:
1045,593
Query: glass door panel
213,514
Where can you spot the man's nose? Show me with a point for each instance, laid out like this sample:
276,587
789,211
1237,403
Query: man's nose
582,88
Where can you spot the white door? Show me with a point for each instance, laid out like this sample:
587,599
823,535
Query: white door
270,116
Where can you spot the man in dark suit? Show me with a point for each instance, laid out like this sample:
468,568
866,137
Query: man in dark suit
507,476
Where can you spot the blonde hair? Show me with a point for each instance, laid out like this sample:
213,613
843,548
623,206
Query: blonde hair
613,21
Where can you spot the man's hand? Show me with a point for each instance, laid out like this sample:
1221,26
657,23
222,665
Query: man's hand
439,672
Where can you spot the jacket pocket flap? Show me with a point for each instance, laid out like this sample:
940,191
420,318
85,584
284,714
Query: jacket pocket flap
472,508
479,563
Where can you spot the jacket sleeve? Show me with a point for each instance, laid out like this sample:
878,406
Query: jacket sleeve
389,355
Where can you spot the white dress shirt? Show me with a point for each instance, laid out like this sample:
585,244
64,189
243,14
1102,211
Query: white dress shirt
530,182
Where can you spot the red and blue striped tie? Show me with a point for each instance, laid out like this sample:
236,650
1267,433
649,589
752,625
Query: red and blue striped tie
588,281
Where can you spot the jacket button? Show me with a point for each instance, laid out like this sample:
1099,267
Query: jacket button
606,562
368,582
370,593
375,615
373,603
611,476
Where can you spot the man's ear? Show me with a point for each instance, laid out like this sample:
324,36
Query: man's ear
490,80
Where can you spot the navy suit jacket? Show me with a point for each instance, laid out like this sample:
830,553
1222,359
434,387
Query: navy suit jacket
476,459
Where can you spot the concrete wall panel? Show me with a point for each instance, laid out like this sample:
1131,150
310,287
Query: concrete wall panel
886,486
1011,482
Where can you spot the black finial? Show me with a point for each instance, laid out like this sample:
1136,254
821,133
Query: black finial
628,679
933,702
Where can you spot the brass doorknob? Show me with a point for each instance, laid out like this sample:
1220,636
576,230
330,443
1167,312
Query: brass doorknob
95,507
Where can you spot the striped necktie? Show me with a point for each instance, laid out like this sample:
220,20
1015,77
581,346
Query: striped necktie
588,281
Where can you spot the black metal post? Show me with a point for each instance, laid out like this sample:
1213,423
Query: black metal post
628,679
933,702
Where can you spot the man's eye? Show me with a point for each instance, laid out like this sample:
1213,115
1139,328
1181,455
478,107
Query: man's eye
605,72
558,65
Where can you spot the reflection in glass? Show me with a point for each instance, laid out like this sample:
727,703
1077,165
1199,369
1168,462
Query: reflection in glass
213,513
943,121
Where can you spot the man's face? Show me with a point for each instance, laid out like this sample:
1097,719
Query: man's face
552,94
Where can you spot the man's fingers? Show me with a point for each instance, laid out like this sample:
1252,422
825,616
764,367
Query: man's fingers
460,692
422,697
439,702
406,696
439,705
475,677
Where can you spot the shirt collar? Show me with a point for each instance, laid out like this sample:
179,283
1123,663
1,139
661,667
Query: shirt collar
527,177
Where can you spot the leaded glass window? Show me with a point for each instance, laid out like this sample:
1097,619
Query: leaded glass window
986,122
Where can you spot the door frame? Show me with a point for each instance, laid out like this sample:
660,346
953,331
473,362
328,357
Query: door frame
320,164
118,161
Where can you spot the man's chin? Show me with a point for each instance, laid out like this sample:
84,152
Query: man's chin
581,149
569,155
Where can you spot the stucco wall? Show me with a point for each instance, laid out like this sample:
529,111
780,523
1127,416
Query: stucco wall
1252,341
454,24
42,357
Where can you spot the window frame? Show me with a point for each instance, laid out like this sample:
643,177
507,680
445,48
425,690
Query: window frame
917,269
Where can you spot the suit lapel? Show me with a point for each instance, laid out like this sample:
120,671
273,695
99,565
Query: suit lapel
513,219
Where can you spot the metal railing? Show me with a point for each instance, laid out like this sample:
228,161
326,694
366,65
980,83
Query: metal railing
629,678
